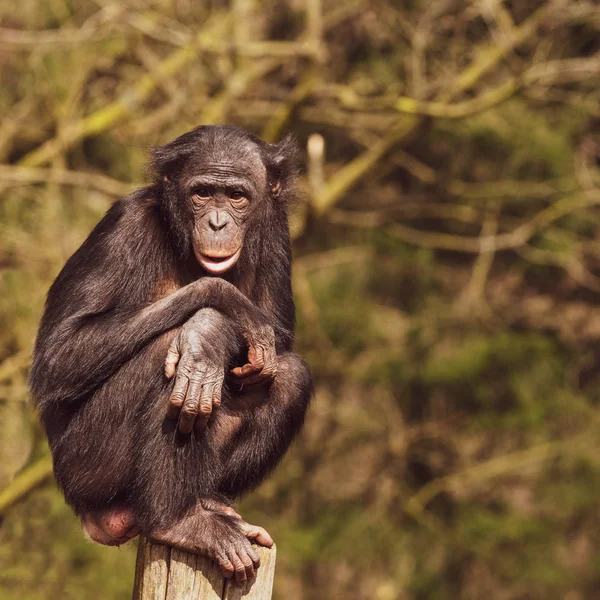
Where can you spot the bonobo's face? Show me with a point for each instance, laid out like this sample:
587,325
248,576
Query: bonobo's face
223,188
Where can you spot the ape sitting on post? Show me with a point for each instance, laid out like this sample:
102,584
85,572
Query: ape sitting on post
163,369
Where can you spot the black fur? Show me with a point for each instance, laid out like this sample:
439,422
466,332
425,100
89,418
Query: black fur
97,374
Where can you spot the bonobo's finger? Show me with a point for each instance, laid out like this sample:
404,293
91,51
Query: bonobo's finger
245,370
256,355
261,377
270,362
205,407
177,397
172,358
189,410
255,385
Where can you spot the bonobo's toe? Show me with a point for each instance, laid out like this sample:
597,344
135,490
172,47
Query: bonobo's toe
256,534
238,565
245,562
225,565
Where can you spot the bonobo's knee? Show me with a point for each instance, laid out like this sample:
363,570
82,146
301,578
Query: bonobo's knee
210,321
293,375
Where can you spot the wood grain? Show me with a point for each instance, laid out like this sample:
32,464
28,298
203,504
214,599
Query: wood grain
261,587
164,573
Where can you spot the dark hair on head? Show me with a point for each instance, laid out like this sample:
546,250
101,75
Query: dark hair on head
281,161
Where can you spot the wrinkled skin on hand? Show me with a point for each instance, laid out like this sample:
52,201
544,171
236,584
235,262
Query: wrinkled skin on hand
196,359
198,367
261,368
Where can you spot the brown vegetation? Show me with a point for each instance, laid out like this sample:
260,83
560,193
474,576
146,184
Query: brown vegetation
447,274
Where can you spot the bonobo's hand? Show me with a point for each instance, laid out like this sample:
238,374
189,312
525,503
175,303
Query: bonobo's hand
261,368
199,378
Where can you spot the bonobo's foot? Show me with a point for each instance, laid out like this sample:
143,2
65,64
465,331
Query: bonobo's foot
217,506
215,530
111,527
223,538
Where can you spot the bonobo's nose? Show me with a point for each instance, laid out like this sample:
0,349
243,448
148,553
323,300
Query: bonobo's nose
218,220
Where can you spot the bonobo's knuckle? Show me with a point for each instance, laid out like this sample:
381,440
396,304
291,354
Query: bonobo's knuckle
190,409
205,410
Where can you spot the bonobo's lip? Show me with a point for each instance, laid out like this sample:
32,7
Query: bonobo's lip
218,264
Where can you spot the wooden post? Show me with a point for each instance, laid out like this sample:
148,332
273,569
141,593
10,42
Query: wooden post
164,573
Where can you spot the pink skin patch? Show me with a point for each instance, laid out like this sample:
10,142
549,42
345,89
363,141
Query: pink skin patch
111,527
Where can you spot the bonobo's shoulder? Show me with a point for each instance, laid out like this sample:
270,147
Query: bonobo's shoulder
136,214
139,207
133,222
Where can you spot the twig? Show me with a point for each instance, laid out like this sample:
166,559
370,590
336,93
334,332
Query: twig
504,241
348,176
489,469
30,175
130,100
91,29
25,482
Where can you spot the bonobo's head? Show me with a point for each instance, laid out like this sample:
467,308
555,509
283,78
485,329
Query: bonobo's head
218,185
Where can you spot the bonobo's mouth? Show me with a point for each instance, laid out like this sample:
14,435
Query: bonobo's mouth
218,264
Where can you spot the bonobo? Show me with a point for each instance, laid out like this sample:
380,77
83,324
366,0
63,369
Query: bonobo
163,369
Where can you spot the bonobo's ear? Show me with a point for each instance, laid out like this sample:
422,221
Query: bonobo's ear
166,161
283,166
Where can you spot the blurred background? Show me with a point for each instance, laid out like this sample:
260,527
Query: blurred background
447,274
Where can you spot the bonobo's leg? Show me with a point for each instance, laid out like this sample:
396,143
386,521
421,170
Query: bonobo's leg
174,493
255,432
249,434
180,480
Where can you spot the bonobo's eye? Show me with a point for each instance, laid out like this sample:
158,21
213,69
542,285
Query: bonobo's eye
238,198
201,195
202,192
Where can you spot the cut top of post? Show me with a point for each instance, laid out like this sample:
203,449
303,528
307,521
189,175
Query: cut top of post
164,573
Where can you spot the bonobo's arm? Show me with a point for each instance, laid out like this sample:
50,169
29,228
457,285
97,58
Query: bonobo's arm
98,313
84,349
